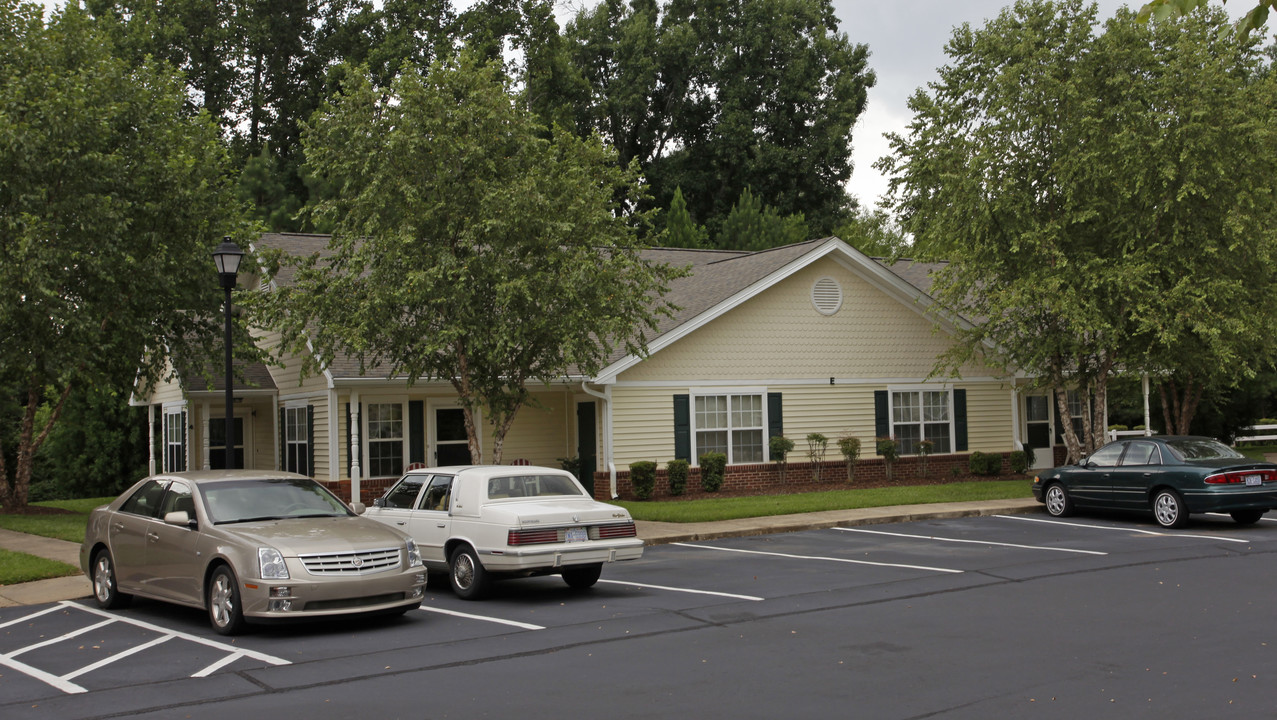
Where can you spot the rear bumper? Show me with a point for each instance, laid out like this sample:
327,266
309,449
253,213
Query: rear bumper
559,555
1231,498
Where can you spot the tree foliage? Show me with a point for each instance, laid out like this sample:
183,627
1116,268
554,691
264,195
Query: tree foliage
111,198
470,244
1102,213
1166,9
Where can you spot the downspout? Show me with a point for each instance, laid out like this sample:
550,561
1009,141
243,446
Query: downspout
1015,419
606,397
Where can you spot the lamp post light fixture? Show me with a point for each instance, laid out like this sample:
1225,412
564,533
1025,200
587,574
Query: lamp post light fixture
227,257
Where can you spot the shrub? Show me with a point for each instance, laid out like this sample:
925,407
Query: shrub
572,465
677,470
850,449
1019,461
925,448
712,465
1118,428
780,447
643,478
816,446
985,463
889,451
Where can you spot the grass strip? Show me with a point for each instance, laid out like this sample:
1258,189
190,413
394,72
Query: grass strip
16,567
731,508
63,526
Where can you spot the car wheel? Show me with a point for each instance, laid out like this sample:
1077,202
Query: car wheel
1246,517
224,610
1058,502
105,590
1168,508
469,579
582,577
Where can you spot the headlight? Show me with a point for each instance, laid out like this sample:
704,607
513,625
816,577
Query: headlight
272,564
414,555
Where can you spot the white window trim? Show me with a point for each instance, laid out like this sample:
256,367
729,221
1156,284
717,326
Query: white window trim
432,428
167,410
364,442
694,393
891,409
304,407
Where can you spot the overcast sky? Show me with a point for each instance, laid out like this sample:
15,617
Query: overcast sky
906,41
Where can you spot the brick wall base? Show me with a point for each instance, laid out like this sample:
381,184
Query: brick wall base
765,478
368,488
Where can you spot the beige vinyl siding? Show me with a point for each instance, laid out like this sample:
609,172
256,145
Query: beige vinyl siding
642,425
780,334
288,378
320,433
539,433
265,454
989,417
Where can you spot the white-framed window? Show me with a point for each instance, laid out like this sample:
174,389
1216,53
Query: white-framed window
174,439
733,423
297,439
385,438
918,415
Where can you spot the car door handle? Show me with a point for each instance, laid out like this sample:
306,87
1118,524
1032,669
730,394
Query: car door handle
401,522
442,525
117,526
152,536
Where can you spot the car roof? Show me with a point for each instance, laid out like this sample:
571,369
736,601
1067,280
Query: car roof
489,471
205,477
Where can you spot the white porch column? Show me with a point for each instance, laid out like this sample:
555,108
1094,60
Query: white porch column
1148,428
334,465
1016,443
150,433
355,471
279,431
204,416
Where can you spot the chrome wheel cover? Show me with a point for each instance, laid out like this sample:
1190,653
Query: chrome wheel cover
221,600
103,582
463,570
1055,500
1166,508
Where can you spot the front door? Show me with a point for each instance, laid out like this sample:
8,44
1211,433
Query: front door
217,443
1037,429
452,445
586,442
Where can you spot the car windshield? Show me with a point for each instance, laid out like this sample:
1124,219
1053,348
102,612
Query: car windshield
523,486
269,499
1201,449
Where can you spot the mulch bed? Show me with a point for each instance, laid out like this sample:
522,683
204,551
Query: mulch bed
694,492
37,510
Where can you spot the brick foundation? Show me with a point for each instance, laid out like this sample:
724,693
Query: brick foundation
369,488
765,478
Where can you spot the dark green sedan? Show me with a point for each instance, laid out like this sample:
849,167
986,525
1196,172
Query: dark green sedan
1172,476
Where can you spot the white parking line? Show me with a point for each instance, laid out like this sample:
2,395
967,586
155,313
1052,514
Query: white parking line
118,656
218,665
1122,529
58,639
485,618
46,611
38,674
684,590
973,542
271,659
817,557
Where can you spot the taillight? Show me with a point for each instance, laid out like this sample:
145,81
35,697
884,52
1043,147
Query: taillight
532,537
620,530
1238,477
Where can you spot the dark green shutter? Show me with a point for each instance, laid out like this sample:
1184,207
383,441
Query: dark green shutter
283,440
416,431
775,422
882,417
157,427
682,428
185,458
960,420
310,440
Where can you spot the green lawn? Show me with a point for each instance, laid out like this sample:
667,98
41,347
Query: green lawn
710,509
63,526
1256,452
16,567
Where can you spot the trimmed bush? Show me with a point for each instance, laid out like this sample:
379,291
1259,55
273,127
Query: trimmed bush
889,451
1019,461
985,463
712,466
850,449
816,446
643,478
925,448
677,470
780,447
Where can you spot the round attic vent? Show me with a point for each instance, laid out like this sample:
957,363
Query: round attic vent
826,295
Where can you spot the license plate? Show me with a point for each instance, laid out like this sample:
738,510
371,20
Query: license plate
1254,479
576,535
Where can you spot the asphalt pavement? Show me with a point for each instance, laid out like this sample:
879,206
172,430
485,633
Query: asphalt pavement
652,533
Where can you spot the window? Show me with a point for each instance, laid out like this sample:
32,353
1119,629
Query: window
178,499
405,493
730,424
385,439
918,415
174,440
1142,453
297,440
438,494
146,501
217,443
1106,456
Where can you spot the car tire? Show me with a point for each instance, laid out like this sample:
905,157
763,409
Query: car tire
225,612
582,577
465,572
1058,502
1168,509
105,590
1246,517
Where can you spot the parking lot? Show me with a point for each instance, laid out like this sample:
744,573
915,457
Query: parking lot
1000,616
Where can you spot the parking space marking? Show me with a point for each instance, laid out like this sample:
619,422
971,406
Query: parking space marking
270,659
118,656
218,665
485,618
46,611
818,557
685,590
58,639
1122,529
47,678
973,542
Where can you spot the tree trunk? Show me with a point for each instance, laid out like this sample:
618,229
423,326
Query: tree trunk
1071,441
1179,404
15,496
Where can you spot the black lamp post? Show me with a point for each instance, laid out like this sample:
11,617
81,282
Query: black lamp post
227,256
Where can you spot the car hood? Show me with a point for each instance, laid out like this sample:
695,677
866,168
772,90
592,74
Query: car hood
553,511
317,535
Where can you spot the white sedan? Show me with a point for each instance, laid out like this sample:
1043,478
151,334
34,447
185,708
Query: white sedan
477,523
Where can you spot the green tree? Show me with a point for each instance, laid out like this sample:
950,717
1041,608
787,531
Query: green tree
1093,212
874,233
111,199
751,225
680,229
470,245
1166,9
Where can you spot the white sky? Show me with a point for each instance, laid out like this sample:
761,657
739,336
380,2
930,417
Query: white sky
906,41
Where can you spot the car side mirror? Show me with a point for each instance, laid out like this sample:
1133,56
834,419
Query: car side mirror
359,508
379,502
180,518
